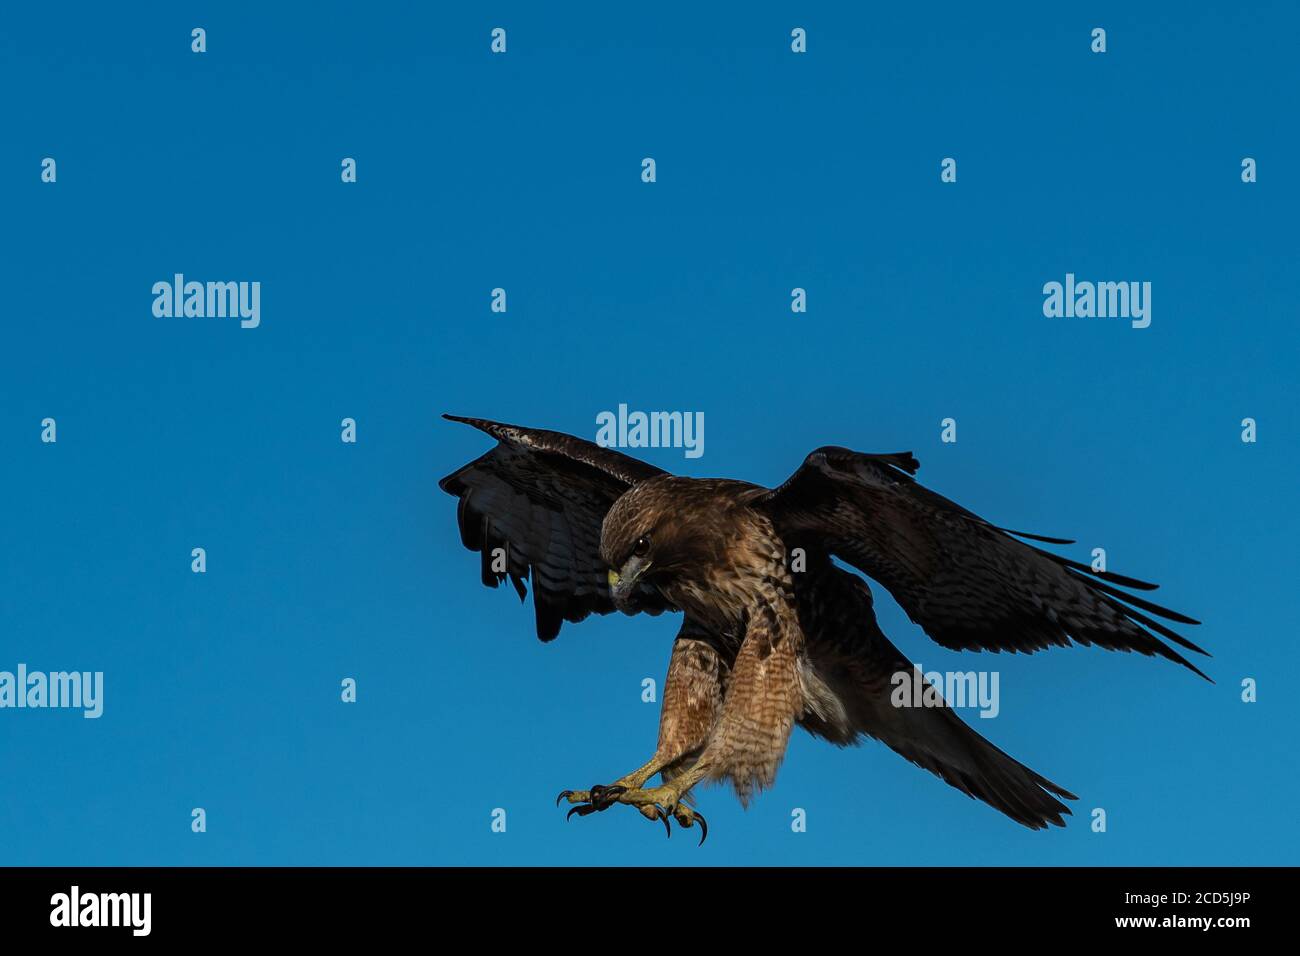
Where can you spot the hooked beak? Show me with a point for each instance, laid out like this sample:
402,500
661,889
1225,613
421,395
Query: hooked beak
622,586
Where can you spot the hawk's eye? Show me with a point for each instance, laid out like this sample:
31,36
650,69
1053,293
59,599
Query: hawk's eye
642,546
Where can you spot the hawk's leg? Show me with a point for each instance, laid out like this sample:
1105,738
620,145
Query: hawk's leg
692,700
764,699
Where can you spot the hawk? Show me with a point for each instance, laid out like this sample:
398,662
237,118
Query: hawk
774,632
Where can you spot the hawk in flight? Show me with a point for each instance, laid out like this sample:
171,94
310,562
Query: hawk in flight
774,632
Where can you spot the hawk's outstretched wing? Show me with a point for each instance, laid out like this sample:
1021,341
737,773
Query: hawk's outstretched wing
541,497
969,584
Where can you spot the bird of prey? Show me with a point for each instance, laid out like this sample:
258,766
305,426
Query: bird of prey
775,633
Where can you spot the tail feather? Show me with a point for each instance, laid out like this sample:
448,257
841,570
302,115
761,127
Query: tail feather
937,740
855,681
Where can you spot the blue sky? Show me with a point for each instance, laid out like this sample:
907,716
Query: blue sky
522,171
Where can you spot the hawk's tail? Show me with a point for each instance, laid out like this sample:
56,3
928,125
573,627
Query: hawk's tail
936,739
874,690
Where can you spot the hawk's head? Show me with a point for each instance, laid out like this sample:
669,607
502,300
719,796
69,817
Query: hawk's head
663,533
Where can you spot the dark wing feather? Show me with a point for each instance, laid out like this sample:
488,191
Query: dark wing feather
542,496
969,584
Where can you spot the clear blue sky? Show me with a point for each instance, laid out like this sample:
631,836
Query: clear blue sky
522,171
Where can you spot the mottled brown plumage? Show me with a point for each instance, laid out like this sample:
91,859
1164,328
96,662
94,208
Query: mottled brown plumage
769,641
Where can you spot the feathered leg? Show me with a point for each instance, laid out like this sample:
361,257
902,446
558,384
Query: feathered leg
763,700
692,700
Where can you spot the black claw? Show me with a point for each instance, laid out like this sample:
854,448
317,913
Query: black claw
602,798
704,827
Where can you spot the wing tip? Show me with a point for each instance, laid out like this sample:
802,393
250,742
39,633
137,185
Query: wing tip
1035,537
464,420
905,460
1198,671
498,430
902,460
